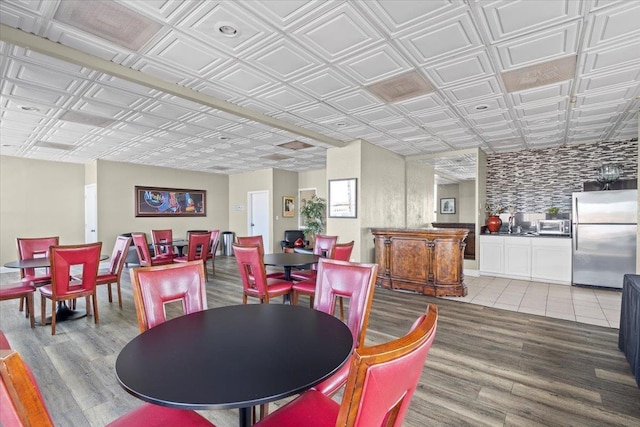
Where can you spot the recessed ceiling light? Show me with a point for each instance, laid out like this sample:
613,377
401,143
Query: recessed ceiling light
223,138
481,107
341,124
27,108
228,29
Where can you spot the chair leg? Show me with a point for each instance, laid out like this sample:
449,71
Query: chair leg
32,319
294,298
53,316
95,308
86,304
311,300
21,308
119,295
43,310
341,309
109,289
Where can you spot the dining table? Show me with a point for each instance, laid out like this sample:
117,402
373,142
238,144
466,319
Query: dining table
290,260
235,356
63,311
179,244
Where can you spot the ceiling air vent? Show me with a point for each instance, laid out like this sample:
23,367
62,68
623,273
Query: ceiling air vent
108,20
399,88
277,157
55,145
295,145
86,119
541,74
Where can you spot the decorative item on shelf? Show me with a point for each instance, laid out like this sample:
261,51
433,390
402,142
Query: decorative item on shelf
552,212
512,218
609,174
493,220
298,243
312,213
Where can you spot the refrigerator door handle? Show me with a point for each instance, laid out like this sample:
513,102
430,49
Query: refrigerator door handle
575,236
575,209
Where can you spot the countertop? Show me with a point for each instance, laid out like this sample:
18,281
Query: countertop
544,236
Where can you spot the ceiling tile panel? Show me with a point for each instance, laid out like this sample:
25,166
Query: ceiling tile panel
354,101
43,77
284,60
542,46
484,88
442,40
461,69
244,80
422,103
339,32
186,54
614,77
323,84
375,64
508,19
617,56
399,15
541,94
616,94
612,24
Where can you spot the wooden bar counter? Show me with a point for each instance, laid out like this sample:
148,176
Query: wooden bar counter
424,260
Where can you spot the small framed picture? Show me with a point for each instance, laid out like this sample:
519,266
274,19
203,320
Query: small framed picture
288,207
448,205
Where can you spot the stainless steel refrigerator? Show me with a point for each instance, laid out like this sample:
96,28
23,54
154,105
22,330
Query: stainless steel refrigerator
604,230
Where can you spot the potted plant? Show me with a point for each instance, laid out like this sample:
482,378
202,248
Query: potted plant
312,213
553,212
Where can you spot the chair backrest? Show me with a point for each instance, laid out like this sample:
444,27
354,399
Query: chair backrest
64,257
21,402
215,239
34,247
291,236
142,248
162,236
324,245
251,267
198,246
350,280
382,378
251,240
342,251
4,342
119,255
155,286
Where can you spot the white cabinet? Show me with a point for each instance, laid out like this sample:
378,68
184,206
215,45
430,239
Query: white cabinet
517,257
544,259
492,254
551,260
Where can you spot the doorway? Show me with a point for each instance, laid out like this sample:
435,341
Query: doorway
258,218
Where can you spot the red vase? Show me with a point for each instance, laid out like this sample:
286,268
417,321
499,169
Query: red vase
494,223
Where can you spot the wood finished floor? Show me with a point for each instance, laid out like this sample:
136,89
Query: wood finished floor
487,367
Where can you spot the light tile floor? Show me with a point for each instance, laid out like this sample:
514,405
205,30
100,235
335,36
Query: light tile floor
585,305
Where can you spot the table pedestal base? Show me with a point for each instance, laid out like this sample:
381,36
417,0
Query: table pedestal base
64,313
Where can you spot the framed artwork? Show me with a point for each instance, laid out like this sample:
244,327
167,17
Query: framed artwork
448,205
343,198
288,207
304,194
158,201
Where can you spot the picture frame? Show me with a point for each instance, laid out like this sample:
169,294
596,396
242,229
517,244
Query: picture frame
343,198
288,207
169,202
448,205
304,194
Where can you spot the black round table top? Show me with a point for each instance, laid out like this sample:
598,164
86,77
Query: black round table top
235,356
290,259
37,262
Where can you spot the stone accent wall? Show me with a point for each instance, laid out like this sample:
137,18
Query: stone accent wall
534,180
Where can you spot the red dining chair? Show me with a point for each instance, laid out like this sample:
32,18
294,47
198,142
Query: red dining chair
64,286
355,281
322,247
35,247
213,249
340,252
144,256
116,265
257,240
4,342
22,404
20,290
382,380
198,249
162,240
255,282
157,285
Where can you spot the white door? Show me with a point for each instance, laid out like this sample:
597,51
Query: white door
90,214
259,217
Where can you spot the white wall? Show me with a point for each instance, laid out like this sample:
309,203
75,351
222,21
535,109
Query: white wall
419,194
285,183
447,191
239,187
467,201
39,199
